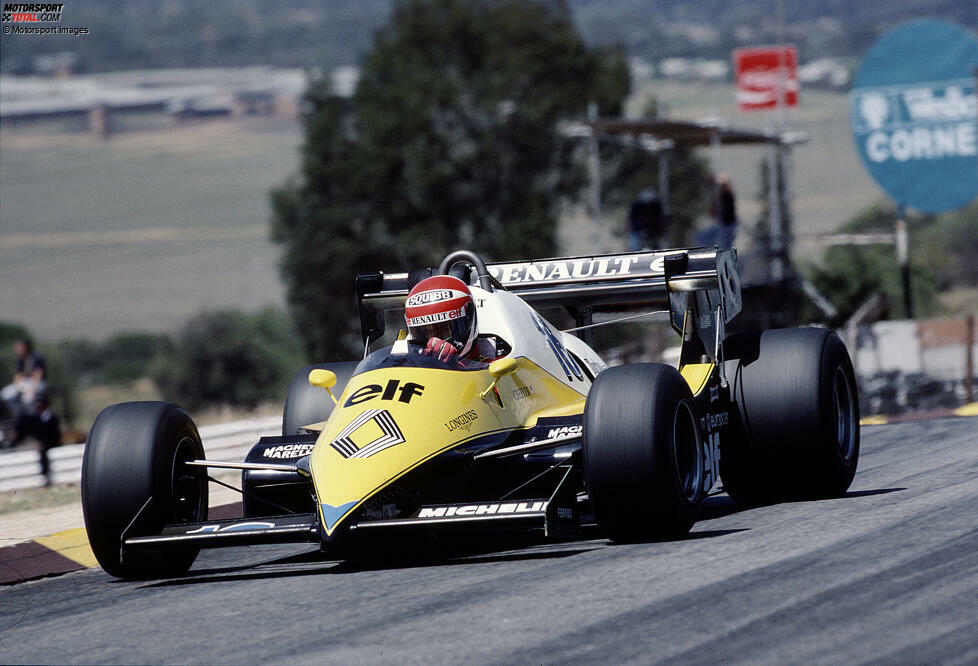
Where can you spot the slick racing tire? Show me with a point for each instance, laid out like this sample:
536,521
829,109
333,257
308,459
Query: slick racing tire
796,434
305,403
134,481
643,453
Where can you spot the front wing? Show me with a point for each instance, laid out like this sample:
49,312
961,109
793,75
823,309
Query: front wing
559,515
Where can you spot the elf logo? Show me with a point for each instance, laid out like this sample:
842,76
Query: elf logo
392,390
566,431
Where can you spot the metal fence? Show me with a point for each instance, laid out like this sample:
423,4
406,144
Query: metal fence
223,441
913,366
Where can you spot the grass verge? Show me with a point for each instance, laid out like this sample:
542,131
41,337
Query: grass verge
27,499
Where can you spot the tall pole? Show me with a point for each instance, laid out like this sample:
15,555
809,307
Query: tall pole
775,216
903,258
594,166
784,181
774,213
782,71
664,183
969,322
969,365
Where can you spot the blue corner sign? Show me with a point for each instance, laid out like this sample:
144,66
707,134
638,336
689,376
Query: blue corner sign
914,114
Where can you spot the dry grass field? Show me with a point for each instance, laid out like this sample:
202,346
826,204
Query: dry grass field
140,231
145,229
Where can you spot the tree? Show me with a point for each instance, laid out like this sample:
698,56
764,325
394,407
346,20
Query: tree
450,140
850,274
121,359
948,246
230,357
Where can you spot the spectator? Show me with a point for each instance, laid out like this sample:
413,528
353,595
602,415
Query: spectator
30,373
724,212
644,221
44,426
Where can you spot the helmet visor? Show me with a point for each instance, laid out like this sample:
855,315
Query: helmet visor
457,331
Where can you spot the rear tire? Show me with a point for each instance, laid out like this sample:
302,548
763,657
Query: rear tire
643,453
135,452
273,493
798,409
305,403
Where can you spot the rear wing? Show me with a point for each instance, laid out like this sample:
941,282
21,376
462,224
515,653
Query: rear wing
624,281
585,285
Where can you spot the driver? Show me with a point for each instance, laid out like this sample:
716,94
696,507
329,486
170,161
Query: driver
440,316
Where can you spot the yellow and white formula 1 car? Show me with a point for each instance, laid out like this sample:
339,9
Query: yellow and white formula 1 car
546,437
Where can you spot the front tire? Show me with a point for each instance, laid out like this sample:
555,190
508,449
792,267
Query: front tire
643,453
798,409
136,452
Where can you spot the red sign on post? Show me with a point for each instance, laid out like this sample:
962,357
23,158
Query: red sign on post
767,77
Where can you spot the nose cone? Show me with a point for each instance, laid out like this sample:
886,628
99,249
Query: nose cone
387,423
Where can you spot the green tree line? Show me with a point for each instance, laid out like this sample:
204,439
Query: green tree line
452,140
943,256
219,358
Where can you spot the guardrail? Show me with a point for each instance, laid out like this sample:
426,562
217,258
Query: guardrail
222,441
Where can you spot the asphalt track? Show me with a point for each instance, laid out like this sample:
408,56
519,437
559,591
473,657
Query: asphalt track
887,574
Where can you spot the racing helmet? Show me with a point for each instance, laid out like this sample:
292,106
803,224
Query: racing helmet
441,307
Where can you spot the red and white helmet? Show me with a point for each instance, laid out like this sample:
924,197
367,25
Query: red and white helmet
441,307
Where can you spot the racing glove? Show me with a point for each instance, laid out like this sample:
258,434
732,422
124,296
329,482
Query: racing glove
442,349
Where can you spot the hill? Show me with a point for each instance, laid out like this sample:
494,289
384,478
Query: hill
310,33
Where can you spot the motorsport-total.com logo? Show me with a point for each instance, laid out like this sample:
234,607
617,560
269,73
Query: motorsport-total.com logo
19,12
28,18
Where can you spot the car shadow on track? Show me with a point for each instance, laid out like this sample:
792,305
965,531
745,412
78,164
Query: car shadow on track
712,534
852,494
868,493
356,566
316,563
719,506
440,554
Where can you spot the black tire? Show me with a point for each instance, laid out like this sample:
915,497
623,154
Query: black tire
134,452
273,493
307,404
643,453
796,434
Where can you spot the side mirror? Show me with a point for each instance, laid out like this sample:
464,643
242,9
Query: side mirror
323,379
502,367
497,370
